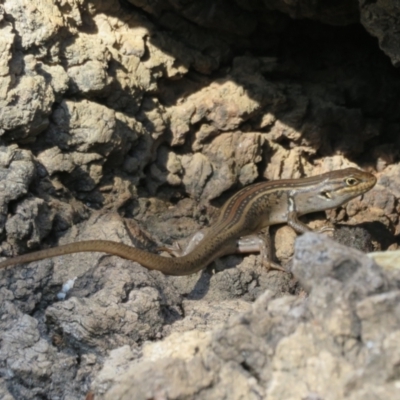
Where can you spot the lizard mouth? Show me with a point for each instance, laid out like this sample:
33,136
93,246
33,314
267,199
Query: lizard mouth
326,195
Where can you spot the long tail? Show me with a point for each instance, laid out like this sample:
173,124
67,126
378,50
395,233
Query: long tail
185,265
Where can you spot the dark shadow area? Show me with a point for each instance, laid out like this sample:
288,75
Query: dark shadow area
379,233
202,286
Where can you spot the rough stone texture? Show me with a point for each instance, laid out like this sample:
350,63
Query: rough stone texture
329,346
380,19
112,303
133,122
387,259
17,171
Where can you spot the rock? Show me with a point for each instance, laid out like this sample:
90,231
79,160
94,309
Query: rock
282,339
17,171
386,259
30,224
133,121
379,19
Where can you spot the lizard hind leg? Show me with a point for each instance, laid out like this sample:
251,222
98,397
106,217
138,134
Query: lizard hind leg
177,251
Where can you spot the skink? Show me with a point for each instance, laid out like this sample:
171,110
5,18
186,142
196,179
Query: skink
249,211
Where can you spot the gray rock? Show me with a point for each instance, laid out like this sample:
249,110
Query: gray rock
339,342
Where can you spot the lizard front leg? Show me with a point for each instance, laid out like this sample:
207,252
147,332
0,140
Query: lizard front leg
298,226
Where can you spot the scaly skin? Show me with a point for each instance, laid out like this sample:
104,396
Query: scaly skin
248,211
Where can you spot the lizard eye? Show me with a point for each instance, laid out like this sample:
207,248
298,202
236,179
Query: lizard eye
326,195
351,181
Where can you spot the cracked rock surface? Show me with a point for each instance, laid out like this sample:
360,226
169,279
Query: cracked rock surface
134,121
329,345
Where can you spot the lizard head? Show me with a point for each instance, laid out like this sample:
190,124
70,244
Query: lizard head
333,189
340,186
